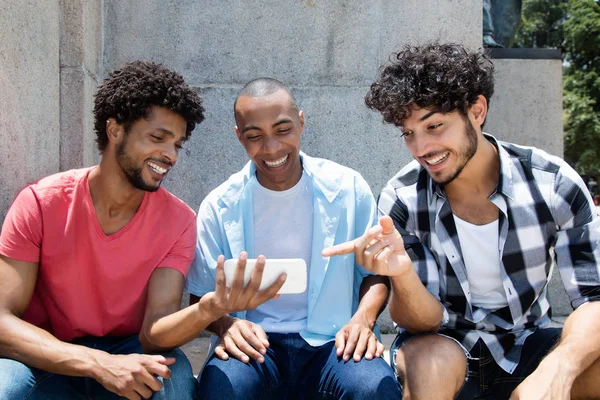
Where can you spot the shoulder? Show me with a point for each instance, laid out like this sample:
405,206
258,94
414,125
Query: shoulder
408,182
533,158
58,187
170,205
329,171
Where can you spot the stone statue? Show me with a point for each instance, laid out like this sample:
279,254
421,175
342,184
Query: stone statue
500,22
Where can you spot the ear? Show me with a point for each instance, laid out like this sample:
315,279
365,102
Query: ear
478,111
238,133
301,117
114,130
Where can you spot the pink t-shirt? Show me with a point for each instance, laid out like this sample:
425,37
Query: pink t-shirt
89,283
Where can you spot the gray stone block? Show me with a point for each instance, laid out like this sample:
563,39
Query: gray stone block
308,43
417,22
29,107
526,107
77,138
561,305
81,35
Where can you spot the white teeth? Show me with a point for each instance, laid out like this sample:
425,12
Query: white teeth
157,168
437,160
276,163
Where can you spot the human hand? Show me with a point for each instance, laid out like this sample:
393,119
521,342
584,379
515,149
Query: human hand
225,300
380,250
550,381
133,375
243,340
357,338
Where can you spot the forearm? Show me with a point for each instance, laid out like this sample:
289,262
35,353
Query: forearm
374,292
579,346
412,306
35,347
180,327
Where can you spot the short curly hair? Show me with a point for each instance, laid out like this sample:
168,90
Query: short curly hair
443,77
129,92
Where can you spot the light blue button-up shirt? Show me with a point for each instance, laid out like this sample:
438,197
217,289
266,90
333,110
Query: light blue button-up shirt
344,209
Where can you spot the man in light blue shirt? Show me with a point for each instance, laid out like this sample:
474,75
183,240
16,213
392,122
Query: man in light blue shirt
285,204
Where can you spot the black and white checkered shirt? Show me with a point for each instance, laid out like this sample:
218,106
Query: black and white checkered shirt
546,218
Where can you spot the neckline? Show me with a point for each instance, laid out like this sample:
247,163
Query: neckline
94,217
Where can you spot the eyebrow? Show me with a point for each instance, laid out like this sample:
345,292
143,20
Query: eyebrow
429,114
171,134
276,124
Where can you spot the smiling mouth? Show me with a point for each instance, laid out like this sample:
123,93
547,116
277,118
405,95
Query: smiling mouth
436,160
276,163
157,168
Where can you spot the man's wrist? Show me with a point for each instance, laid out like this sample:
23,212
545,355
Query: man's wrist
363,316
207,308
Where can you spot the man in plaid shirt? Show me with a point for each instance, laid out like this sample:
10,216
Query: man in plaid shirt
483,223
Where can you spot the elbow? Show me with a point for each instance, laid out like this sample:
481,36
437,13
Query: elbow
154,343
418,321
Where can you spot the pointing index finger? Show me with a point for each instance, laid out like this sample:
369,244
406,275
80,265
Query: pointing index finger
339,249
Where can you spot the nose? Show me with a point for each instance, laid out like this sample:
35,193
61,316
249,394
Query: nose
170,152
419,144
271,145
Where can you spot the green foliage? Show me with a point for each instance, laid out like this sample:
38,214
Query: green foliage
574,27
542,24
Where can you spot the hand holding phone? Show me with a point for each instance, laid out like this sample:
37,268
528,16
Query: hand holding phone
295,268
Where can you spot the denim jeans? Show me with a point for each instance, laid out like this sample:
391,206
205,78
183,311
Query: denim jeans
18,381
295,370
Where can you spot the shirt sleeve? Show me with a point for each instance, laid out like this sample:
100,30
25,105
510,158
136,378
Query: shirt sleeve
365,217
577,247
21,236
182,253
423,261
202,276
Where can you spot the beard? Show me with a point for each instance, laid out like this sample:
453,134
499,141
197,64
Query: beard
132,172
465,155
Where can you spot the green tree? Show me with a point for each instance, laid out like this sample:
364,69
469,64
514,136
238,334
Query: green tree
573,26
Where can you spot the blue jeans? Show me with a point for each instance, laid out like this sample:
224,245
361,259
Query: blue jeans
18,381
295,370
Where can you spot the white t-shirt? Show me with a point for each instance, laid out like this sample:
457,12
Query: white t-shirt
479,244
283,223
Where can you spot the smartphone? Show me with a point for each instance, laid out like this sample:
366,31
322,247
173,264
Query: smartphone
294,267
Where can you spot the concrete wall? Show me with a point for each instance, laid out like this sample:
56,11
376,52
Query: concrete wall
29,94
329,52
527,104
80,75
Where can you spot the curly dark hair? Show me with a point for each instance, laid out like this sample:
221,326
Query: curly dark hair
443,77
129,92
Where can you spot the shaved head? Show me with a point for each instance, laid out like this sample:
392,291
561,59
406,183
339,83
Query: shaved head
262,87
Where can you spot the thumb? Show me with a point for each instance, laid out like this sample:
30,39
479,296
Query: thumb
387,224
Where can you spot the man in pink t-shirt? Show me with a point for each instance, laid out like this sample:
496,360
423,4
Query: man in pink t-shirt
93,261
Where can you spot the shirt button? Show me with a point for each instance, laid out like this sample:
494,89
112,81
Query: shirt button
334,220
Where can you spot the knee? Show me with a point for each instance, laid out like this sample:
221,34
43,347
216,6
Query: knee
16,379
367,379
433,356
182,383
231,379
